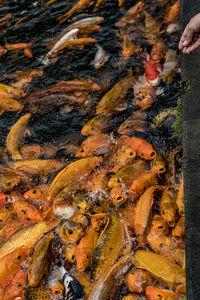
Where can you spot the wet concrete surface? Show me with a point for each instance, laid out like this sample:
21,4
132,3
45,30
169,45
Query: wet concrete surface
191,153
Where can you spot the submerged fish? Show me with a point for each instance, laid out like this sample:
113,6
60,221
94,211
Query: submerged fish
101,57
9,104
15,136
79,6
114,99
97,125
136,122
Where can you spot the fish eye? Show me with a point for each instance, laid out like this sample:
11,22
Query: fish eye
28,219
57,292
142,153
118,180
70,231
119,198
34,191
160,227
131,153
82,150
160,245
92,128
161,169
73,257
152,154
18,257
78,207
19,284
30,271
163,212
9,183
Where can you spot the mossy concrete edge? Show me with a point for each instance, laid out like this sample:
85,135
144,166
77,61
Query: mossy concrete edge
190,68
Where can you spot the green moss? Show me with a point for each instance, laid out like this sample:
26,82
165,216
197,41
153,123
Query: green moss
185,86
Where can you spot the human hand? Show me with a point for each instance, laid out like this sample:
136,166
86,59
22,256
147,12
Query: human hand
190,38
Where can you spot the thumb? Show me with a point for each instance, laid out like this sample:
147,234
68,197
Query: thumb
188,35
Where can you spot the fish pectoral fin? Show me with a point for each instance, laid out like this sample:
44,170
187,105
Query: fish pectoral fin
122,106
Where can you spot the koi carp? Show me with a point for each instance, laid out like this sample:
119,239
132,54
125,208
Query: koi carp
159,226
40,264
153,70
15,290
158,51
94,145
160,267
168,207
122,157
137,280
144,93
173,15
158,164
70,231
142,182
127,174
143,148
10,264
71,174
85,249
178,231
11,91
33,151
170,67
180,199
79,6
131,15
27,212
129,48
15,136
135,123
101,57
153,293
114,99
152,29
9,104
70,252
38,167
97,125
143,212
27,237
108,247
119,195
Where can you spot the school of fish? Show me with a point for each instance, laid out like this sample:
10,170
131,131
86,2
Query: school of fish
101,217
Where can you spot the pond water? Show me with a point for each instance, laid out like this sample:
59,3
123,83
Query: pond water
91,184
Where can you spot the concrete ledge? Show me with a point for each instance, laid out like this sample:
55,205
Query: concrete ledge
191,154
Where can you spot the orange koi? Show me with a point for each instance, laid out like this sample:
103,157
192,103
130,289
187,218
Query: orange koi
142,182
114,99
9,104
85,249
143,213
122,157
70,231
170,67
38,194
6,213
79,6
159,226
119,195
154,293
97,125
70,252
94,145
21,20
28,52
144,93
27,212
131,15
152,29
168,207
158,51
81,219
98,180
173,15
143,148
129,48
158,164
11,91
137,280
99,4
137,121
15,290
180,199
33,151
2,51
178,231
10,264
16,47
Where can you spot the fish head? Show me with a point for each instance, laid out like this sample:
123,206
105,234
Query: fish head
137,280
158,51
70,252
114,181
15,289
169,214
158,164
119,195
7,183
3,199
125,153
81,219
70,231
57,288
159,225
81,204
16,258
6,213
34,193
156,293
15,106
